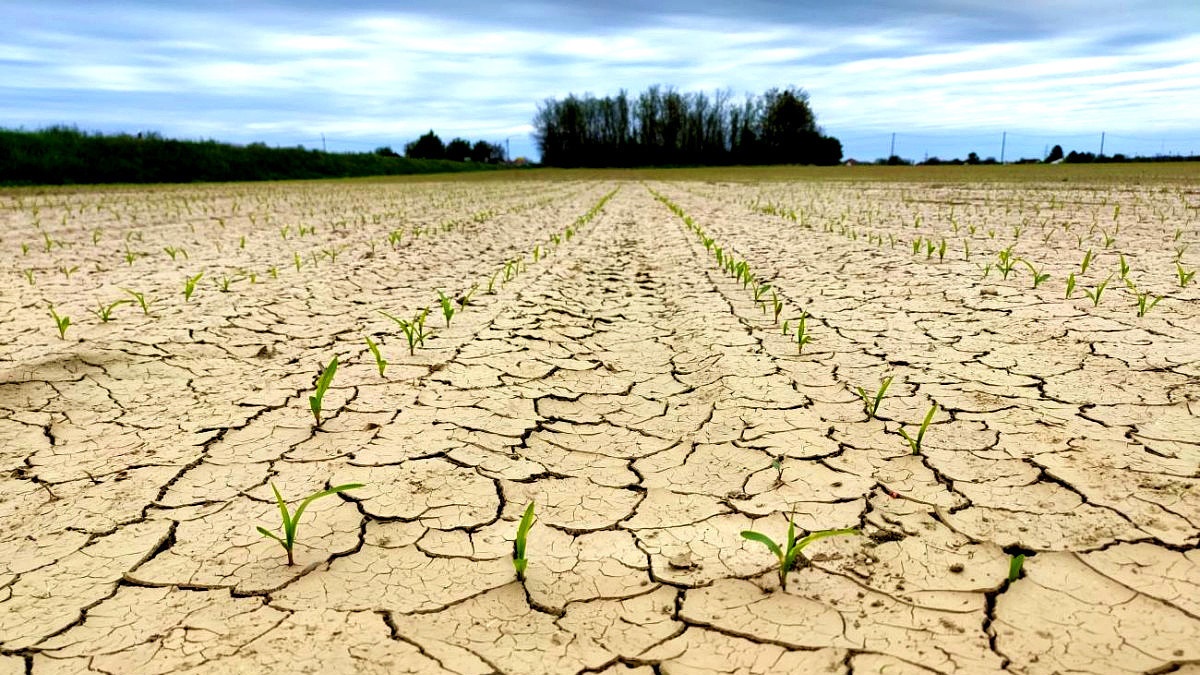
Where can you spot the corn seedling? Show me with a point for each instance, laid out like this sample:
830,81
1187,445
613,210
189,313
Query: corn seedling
173,252
1087,261
380,363
1146,302
790,551
68,271
916,245
915,443
29,277
414,331
189,286
871,404
140,299
104,312
1038,277
942,250
1070,285
297,260
776,304
62,322
1185,277
291,520
802,336
1124,266
465,299
1007,261
447,307
273,271
223,284
492,282
520,560
1014,567
1095,293
323,382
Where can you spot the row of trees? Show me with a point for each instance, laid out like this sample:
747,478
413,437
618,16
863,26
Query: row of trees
430,146
63,155
662,126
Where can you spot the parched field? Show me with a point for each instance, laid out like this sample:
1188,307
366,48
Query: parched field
657,366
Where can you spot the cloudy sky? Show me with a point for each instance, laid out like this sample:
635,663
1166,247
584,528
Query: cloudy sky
947,76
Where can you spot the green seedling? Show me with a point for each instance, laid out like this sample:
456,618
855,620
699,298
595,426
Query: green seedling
323,382
788,553
942,250
491,289
242,242
273,271
29,276
1146,302
1185,277
104,312
62,322
1007,261
140,299
96,234
915,443
223,284
68,271
1070,285
520,560
24,248
802,336
380,363
189,286
1179,251
871,404
297,260
1095,293
1124,266
1087,261
1109,239
173,252
414,331
930,247
465,299
916,245
291,520
447,307
777,464
1038,277
776,304
1014,567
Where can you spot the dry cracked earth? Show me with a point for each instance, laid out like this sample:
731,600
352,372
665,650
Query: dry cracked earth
636,393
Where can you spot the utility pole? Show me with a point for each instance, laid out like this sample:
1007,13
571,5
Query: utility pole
1102,143
1003,144
323,149
507,153
892,152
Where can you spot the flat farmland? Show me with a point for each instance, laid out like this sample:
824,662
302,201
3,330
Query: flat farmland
658,366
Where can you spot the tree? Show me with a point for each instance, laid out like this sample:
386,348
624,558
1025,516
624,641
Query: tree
973,158
386,151
1055,154
489,153
428,146
458,150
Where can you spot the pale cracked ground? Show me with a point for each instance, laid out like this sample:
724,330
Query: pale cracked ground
632,390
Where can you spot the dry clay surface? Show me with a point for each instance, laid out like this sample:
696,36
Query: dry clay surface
607,369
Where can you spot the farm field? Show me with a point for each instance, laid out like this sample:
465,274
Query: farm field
658,366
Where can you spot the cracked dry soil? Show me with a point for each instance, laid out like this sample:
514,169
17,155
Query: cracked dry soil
638,394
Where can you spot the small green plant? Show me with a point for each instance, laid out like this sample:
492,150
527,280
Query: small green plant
1124,266
492,282
273,271
915,443
520,560
323,382
1014,567
802,336
1185,277
414,331
173,252
447,307
790,551
380,363
62,322
189,286
1087,261
297,260
1095,293
140,299
29,276
1070,285
1146,302
871,404
776,304
1038,277
223,284
1007,261
104,312
291,520
942,250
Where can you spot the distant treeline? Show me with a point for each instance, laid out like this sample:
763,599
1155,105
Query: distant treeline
1056,155
663,127
62,155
